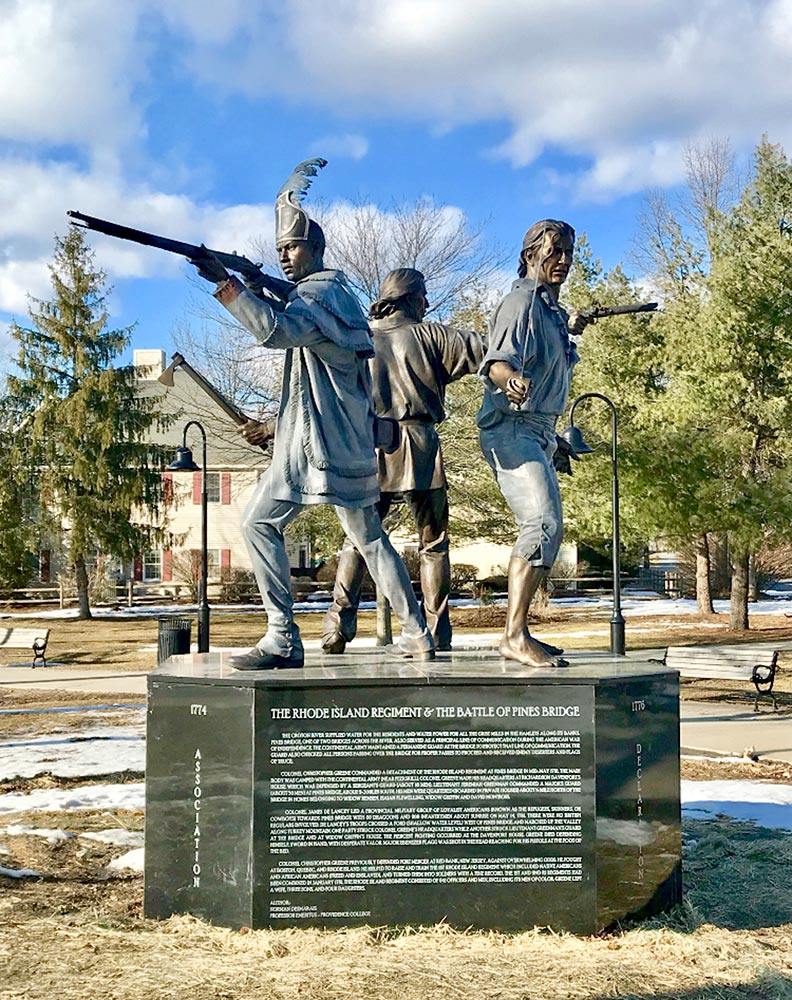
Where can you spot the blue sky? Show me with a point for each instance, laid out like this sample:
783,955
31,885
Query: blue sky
184,118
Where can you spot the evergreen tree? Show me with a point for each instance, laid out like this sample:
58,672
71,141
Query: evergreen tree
739,368
87,428
620,359
17,508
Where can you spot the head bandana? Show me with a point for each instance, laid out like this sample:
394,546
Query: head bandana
403,281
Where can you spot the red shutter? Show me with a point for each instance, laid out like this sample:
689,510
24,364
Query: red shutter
197,487
137,568
167,565
225,487
225,560
167,487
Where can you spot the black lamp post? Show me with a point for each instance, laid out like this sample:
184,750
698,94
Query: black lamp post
574,438
183,462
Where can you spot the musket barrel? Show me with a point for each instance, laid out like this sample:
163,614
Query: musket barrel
601,312
277,288
134,235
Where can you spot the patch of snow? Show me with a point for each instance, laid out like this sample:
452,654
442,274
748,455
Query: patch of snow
19,873
118,837
767,804
132,860
51,836
98,750
131,796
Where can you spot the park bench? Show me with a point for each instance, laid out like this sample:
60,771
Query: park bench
751,663
34,639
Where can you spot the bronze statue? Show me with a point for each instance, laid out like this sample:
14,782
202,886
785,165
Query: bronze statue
323,450
413,362
527,371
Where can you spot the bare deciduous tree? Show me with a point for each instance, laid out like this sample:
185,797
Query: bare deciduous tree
366,240
712,182
247,374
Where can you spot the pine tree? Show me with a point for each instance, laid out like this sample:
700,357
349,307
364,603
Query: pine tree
739,368
17,507
87,432
620,358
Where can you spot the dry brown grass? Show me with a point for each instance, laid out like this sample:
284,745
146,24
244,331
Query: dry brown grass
80,933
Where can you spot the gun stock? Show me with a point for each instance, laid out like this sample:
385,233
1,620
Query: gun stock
239,418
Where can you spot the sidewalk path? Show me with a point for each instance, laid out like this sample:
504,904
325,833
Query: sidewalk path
705,727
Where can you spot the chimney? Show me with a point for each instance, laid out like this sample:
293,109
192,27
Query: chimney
148,364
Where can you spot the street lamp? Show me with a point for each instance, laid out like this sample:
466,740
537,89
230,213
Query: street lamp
574,438
183,462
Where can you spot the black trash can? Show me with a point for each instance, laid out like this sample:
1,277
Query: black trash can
173,637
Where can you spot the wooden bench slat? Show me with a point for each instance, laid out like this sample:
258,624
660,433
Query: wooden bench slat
759,656
727,663
736,673
709,661
34,639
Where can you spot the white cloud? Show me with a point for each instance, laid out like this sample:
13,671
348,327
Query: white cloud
621,86
346,144
624,85
68,71
37,195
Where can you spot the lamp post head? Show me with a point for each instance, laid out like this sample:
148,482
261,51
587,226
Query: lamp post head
183,462
574,438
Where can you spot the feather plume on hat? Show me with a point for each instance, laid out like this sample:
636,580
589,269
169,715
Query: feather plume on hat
291,220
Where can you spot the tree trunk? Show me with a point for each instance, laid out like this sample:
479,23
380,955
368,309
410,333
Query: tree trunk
752,588
703,583
81,577
738,604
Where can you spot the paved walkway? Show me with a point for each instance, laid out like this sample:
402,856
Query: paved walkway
705,727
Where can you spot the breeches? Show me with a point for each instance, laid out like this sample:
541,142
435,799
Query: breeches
263,524
520,450
429,509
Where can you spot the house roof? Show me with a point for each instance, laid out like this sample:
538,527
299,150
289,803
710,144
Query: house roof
185,401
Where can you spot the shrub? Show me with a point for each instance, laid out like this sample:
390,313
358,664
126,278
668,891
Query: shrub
463,575
237,586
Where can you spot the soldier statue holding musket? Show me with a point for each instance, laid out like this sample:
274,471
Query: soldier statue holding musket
323,450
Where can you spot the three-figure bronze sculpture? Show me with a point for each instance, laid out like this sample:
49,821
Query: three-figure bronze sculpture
324,436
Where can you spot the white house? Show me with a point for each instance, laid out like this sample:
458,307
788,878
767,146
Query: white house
233,470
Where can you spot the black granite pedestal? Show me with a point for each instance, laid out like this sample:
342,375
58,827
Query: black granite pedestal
367,791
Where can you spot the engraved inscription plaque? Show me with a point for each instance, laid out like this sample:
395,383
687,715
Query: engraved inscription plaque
442,801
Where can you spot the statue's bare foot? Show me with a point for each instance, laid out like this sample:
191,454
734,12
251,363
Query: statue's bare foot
529,651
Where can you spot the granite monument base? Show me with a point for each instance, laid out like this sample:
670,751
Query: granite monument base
367,791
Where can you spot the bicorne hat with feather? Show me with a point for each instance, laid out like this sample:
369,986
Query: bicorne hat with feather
291,220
